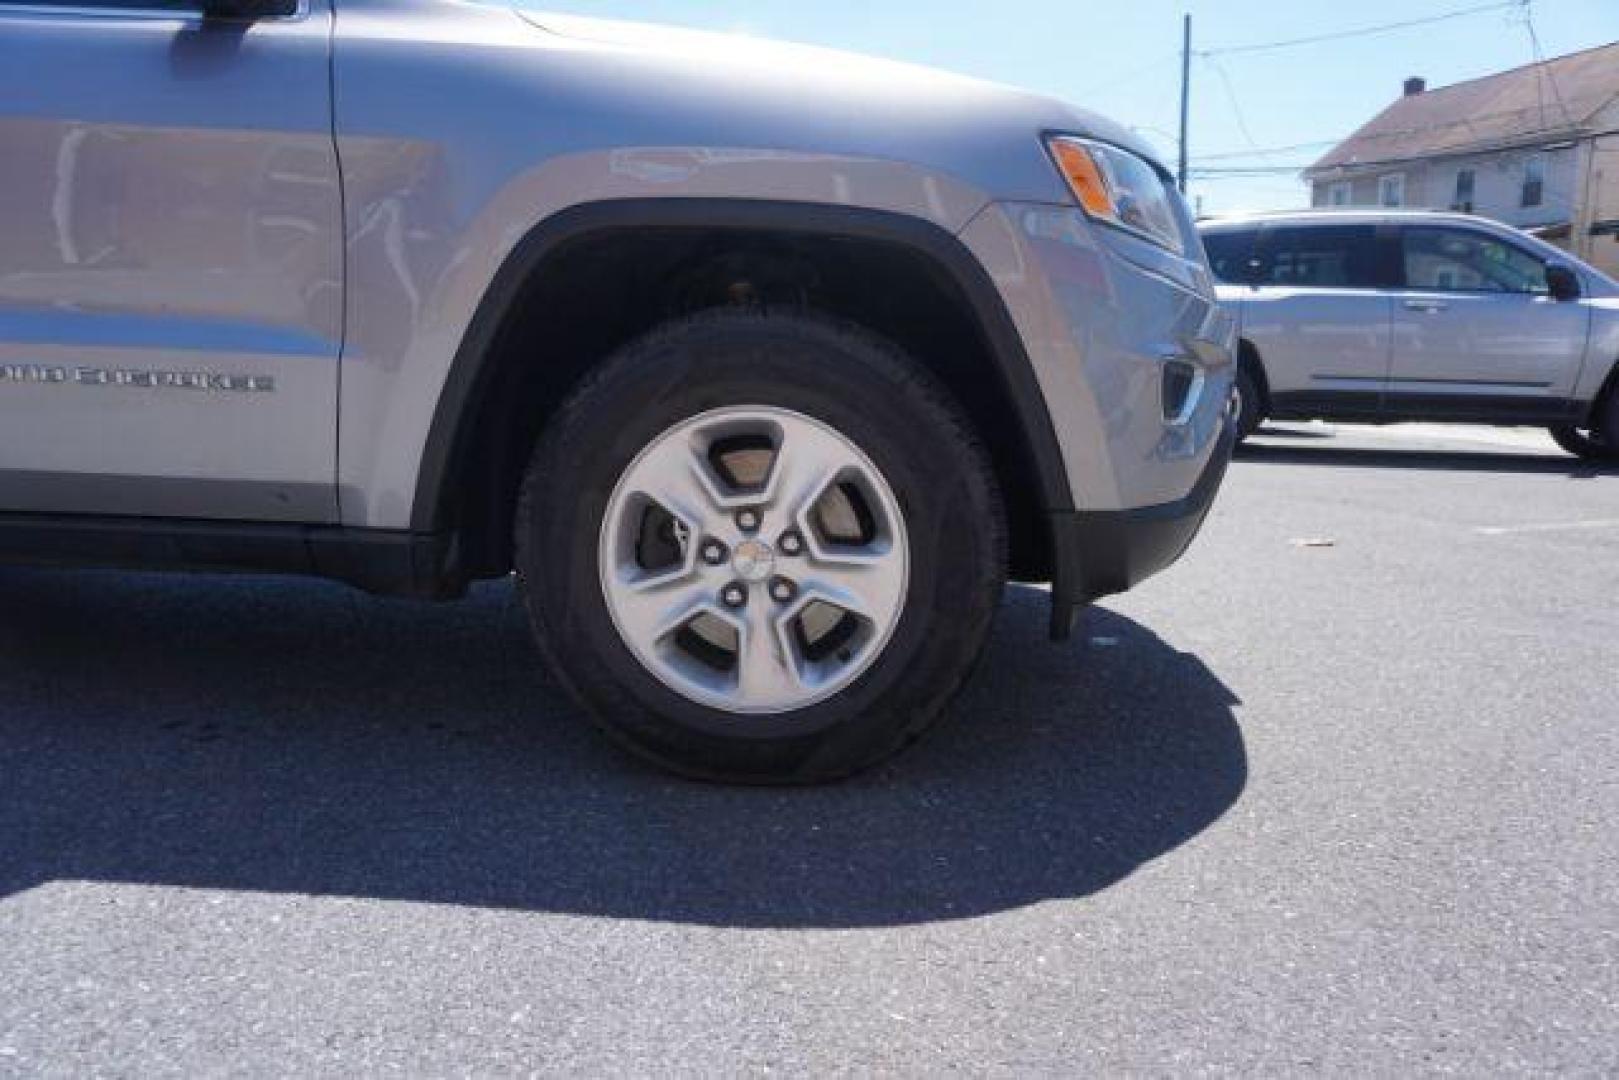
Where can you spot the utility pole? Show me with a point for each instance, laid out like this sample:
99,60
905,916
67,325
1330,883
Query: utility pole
1186,95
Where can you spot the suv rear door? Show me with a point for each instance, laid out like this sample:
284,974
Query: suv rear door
1476,332
1318,312
171,299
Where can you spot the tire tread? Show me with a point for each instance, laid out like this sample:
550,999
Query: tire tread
892,365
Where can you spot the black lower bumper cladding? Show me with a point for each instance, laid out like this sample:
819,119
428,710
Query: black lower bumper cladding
1102,552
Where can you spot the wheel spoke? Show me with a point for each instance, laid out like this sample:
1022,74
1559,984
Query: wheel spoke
809,461
677,479
867,585
650,609
766,665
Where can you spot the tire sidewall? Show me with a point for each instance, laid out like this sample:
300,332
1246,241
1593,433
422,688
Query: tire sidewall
1248,415
824,374
1600,444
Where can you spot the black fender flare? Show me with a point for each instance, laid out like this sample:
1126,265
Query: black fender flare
449,436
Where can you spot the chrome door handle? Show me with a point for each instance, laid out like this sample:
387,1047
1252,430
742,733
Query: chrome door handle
1432,307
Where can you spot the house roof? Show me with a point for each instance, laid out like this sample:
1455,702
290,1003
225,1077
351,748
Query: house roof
1529,104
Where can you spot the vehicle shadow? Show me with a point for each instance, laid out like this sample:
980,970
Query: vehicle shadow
1493,461
290,736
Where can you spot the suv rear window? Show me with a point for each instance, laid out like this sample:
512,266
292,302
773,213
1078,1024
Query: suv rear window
1229,253
1319,256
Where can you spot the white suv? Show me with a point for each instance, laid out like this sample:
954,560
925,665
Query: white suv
1386,316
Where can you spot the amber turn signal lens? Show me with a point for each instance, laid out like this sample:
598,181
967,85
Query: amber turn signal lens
1084,175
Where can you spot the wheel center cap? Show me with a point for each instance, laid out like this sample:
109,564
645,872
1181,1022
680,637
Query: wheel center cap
753,560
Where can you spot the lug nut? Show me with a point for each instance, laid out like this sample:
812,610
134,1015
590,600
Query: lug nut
782,591
714,552
747,520
734,595
791,543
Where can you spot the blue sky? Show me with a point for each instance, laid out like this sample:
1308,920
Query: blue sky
1123,62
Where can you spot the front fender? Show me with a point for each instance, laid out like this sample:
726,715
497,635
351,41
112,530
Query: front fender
427,275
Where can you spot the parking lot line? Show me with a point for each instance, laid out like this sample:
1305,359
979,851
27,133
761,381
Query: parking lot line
1556,526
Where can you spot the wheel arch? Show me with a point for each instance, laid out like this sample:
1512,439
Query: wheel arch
450,494
1605,391
1249,360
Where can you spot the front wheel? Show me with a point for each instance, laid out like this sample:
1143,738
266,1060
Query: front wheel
1586,443
1600,442
761,548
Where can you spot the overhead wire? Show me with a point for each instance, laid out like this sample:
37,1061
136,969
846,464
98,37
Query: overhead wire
1363,31
1205,172
1547,75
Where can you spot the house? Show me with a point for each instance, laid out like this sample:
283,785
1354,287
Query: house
1536,147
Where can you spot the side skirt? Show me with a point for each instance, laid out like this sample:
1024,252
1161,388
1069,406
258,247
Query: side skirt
1396,408
391,563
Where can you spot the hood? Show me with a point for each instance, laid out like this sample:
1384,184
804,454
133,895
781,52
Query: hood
910,109
739,52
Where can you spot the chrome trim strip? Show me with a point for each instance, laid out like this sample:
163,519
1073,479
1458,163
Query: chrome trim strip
90,10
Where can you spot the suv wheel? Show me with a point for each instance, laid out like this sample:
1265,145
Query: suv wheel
1247,406
760,548
1594,444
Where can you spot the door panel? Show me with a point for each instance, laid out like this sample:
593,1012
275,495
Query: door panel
170,264
1319,318
1320,340
1475,325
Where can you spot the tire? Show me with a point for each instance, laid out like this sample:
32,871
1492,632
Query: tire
1594,444
588,515
1247,404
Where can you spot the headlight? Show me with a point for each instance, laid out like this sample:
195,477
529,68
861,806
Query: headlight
1119,188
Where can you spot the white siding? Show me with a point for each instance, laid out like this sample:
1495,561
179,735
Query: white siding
1603,251
1497,185
1499,181
1364,187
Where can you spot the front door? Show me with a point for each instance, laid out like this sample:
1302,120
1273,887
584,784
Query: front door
1476,332
171,302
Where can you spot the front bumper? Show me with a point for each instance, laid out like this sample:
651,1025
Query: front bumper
1098,553
1134,357
1110,323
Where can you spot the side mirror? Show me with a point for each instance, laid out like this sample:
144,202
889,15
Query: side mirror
1563,282
248,10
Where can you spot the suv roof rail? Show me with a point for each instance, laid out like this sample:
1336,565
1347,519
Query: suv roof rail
1336,211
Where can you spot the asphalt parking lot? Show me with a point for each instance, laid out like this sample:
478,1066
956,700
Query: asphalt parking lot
1336,794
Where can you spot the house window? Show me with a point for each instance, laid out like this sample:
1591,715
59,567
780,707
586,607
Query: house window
1464,191
1341,193
1534,181
1391,190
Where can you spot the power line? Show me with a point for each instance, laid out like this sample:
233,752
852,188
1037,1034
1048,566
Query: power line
1547,75
1211,57
1219,172
1363,31
1396,133
1125,76
1267,151
1231,96
1255,170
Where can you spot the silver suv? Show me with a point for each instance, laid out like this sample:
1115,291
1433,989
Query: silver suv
1387,316
762,367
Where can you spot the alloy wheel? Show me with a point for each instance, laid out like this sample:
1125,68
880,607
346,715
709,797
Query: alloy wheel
754,560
